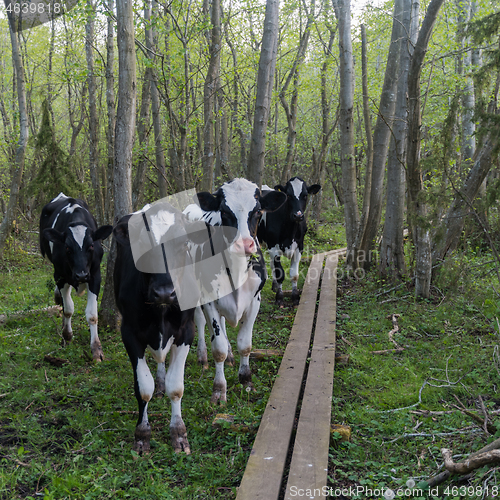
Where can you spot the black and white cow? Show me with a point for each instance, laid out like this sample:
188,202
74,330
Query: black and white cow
69,237
153,320
283,232
238,204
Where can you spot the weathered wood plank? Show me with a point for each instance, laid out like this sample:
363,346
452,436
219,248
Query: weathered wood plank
309,466
264,471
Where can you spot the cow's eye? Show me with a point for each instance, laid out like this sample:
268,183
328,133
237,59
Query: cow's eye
68,250
91,248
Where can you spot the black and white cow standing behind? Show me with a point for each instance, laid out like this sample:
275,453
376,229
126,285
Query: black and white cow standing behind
69,237
283,232
238,204
153,320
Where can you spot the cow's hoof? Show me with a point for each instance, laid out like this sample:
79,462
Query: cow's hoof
279,299
276,287
295,297
58,297
141,439
203,360
178,436
67,335
97,354
218,396
229,361
245,376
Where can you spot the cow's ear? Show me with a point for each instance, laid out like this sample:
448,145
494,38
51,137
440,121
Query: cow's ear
103,232
53,235
120,232
272,201
313,189
208,201
279,187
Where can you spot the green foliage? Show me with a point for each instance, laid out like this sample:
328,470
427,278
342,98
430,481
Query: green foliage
401,406
55,174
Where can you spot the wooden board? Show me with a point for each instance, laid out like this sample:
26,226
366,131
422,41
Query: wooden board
309,465
265,467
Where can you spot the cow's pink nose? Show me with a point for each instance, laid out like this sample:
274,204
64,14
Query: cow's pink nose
245,245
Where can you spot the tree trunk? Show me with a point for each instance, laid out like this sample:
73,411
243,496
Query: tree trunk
17,174
392,261
369,146
124,141
417,204
93,119
151,45
346,122
265,76
143,126
449,233
381,136
210,94
291,108
326,132
110,105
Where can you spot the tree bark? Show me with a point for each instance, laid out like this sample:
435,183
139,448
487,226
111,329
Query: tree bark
265,76
93,119
381,136
291,108
110,105
210,94
124,141
346,124
151,45
417,205
17,174
392,261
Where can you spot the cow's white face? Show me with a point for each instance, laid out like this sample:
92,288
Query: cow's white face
297,192
240,205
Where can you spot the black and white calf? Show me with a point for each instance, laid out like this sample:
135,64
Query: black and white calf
238,204
69,237
153,320
283,232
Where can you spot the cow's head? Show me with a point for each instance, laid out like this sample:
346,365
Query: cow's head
76,247
297,192
160,240
241,204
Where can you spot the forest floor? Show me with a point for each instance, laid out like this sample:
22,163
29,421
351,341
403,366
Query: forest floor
67,432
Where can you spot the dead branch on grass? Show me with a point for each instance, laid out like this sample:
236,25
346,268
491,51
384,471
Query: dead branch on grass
484,423
471,463
443,476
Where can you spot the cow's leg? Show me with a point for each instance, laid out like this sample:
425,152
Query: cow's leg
174,384
68,310
294,276
218,337
245,341
278,274
144,386
201,350
160,380
91,315
230,356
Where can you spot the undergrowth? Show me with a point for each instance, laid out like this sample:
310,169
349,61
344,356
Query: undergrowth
403,397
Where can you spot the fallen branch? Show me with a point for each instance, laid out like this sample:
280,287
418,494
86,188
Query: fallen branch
385,351
395,328
52,310
471,463
443,476
484,423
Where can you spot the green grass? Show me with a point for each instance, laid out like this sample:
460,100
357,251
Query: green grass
67,433
449,345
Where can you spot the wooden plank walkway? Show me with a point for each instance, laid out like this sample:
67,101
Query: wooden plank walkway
264,474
